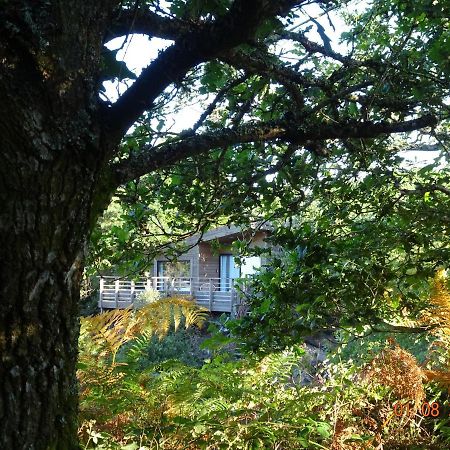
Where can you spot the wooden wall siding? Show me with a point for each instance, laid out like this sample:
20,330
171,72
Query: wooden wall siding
208,262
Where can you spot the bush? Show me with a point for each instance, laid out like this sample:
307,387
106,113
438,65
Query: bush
182,345
146,297
259,403
160,392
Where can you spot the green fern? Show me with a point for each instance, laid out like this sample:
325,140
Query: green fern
138,347
110,330
103,335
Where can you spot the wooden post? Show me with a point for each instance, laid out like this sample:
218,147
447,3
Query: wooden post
148,285
116,293
102,288
211,293
132,291
173,286
232,302
191,286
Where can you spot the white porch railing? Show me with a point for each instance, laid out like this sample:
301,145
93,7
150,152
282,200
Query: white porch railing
216,294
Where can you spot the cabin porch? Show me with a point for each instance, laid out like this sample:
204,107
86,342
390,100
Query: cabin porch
215,294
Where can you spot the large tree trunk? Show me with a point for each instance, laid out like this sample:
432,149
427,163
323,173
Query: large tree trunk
38,393
49,201
52,156
44,224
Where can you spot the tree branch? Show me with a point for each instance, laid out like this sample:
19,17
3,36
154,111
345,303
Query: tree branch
219,97
347,61
153,158
236,27
144,21
422,188
262,63
313,47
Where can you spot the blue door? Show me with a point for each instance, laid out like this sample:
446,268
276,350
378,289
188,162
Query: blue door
228,272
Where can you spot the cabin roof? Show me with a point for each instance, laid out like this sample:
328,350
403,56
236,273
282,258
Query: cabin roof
228,231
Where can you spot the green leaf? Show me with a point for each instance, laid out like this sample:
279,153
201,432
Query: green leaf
132,446
121,234
113,69
265,305
324,430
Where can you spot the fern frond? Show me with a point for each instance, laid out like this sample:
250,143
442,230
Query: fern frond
441,299
439,313
439,316
398,370
139,346
440,376
111,329
160,314
213,404
177,314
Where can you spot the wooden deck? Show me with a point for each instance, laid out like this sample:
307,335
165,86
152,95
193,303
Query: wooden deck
212,293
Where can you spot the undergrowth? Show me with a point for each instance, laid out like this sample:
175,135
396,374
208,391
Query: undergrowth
140,391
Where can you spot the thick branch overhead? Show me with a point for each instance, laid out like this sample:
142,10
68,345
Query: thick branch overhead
153,158
144,21
235,28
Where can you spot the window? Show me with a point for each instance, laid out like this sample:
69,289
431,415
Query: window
173,276
173,269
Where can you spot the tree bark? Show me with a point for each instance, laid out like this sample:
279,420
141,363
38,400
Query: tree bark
42,239
44,224
49,201
38,394
53,153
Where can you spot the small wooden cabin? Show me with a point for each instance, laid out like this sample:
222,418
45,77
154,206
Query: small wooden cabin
208,272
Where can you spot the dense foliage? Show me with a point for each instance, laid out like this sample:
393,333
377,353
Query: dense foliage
283,400
316,105
290,108
358,231
360,253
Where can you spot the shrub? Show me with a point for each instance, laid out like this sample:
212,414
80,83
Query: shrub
146,297
147,395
